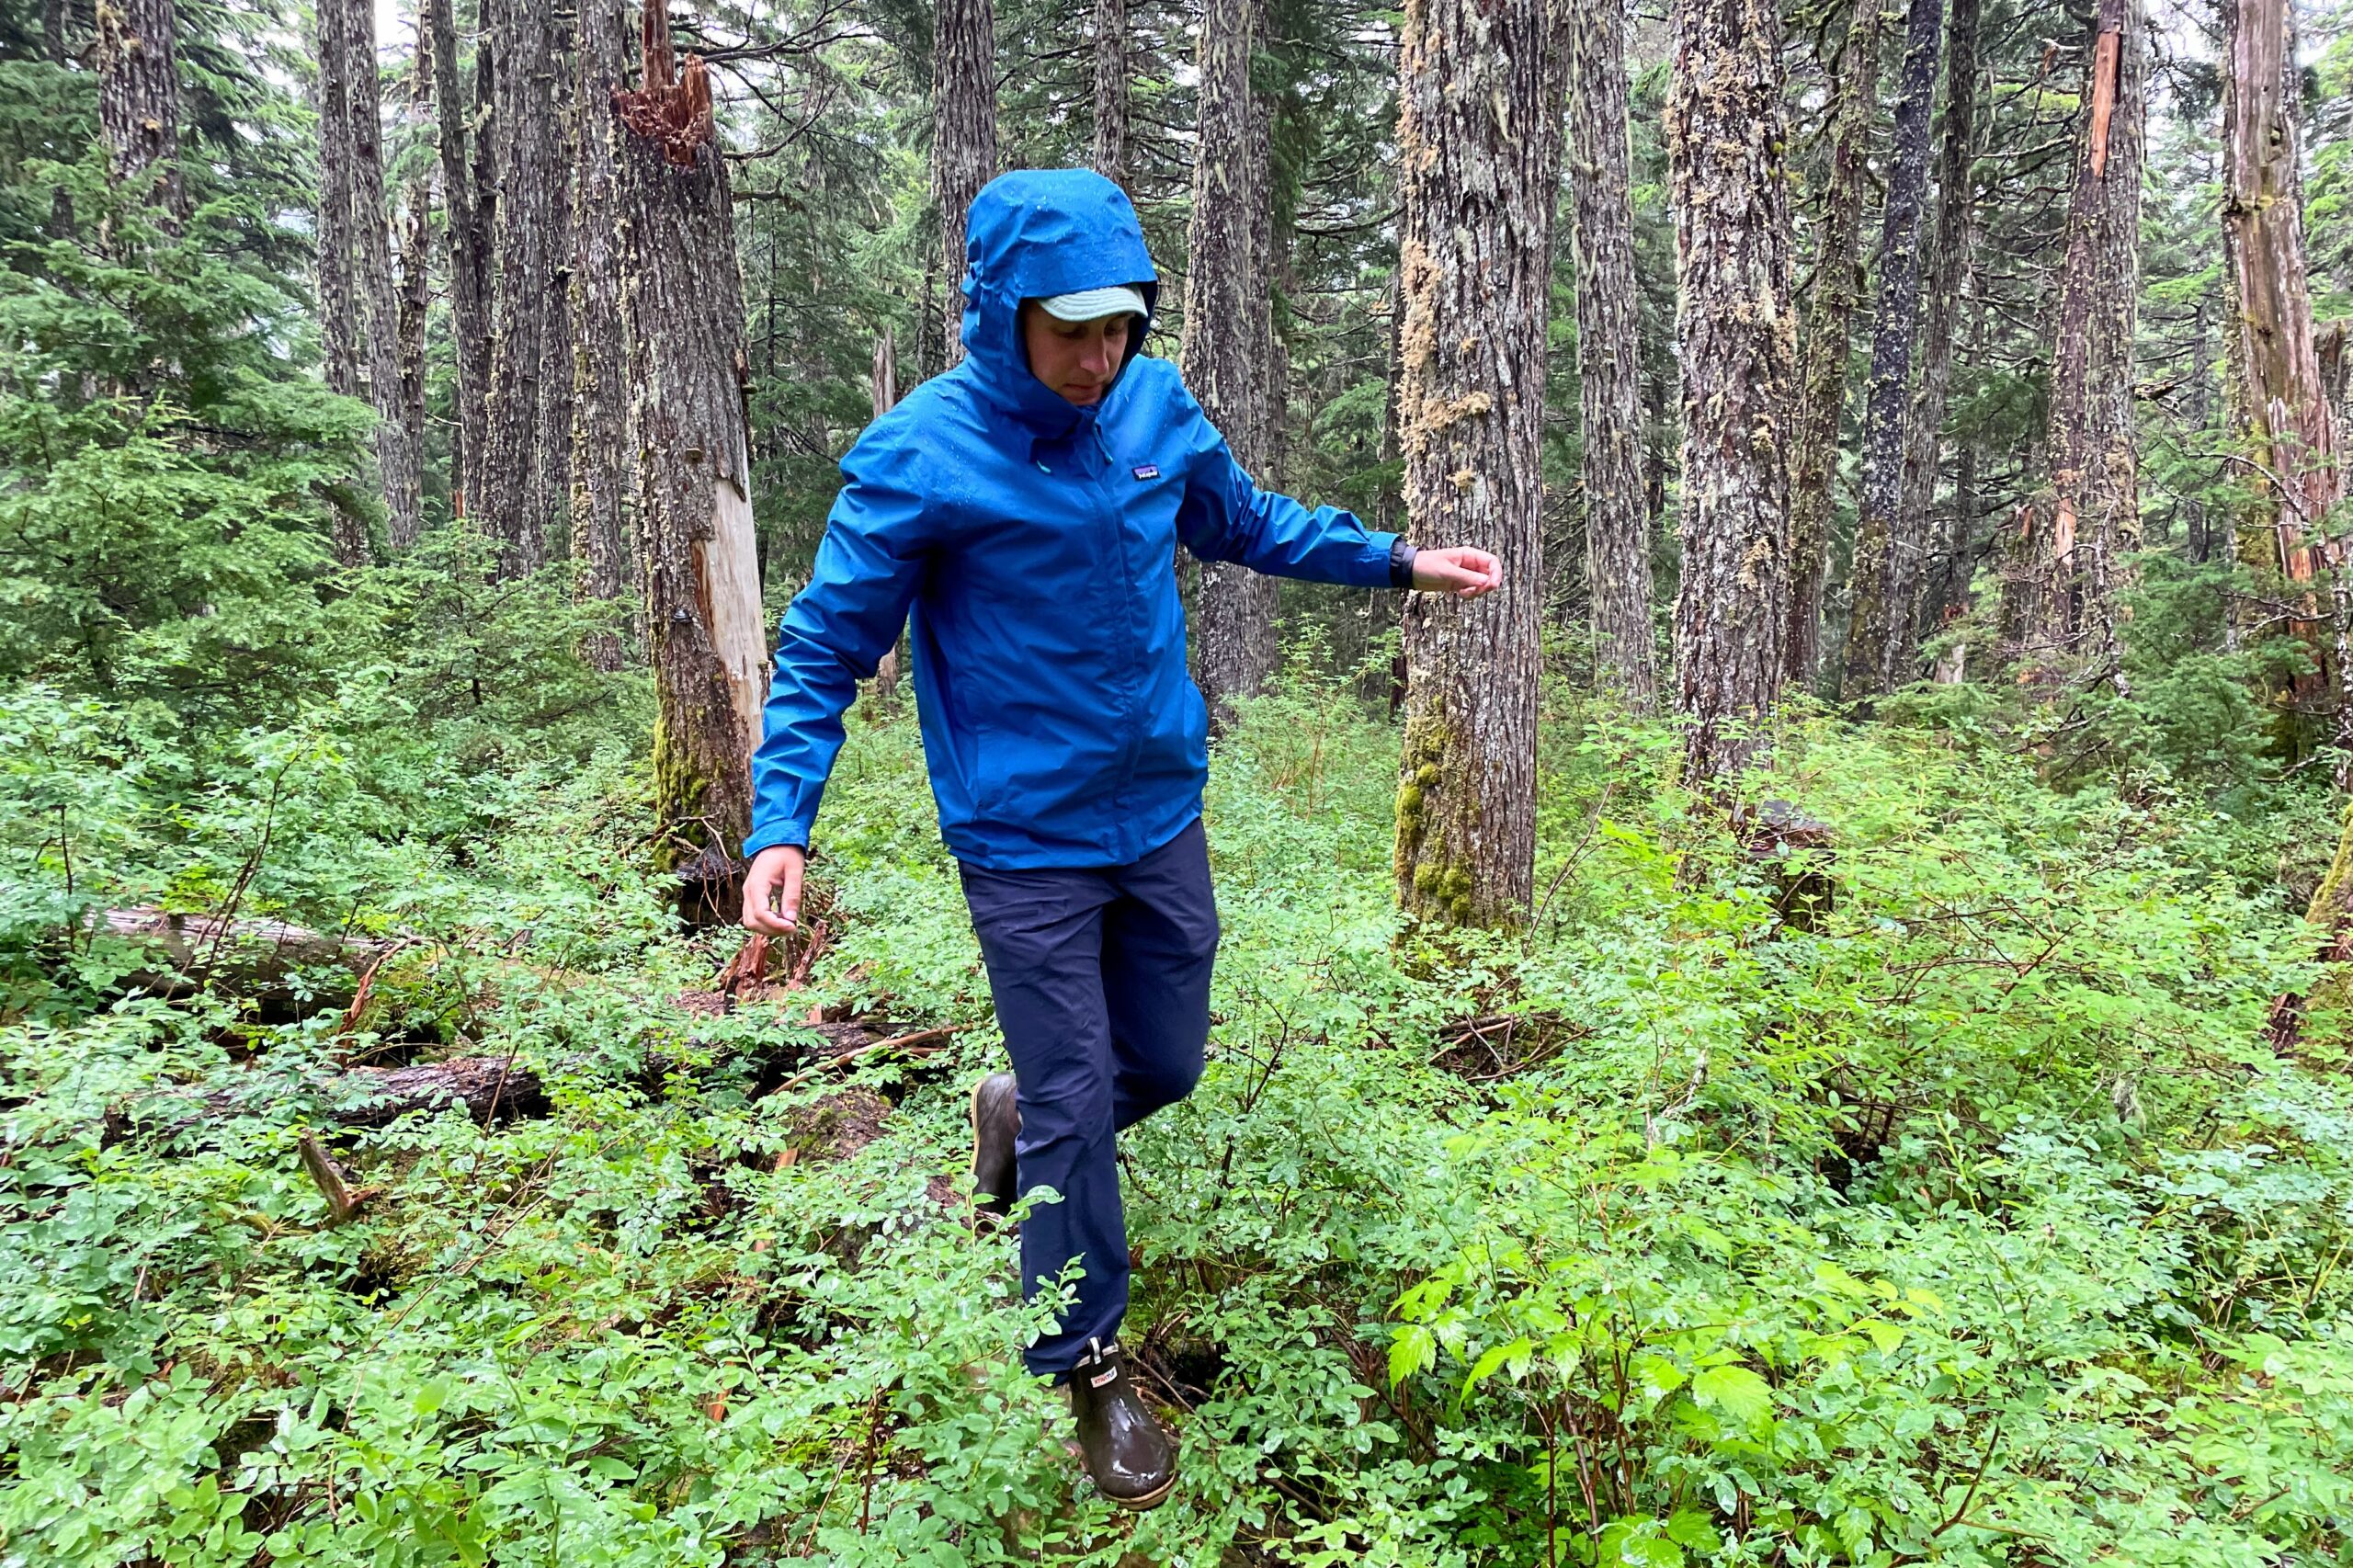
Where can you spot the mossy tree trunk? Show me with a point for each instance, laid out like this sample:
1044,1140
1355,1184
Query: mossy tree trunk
1229,333
1609,355
2279,407
1736,331
1479,91
683,302
399,467
2064,580
1829,336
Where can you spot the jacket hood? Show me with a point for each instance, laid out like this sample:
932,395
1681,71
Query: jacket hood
1032,234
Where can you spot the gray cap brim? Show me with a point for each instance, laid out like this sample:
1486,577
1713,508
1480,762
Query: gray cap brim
1093,304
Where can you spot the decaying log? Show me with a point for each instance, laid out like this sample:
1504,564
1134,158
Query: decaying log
259,959
488,1087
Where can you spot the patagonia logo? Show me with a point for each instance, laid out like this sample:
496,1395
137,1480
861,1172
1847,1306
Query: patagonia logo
1148,470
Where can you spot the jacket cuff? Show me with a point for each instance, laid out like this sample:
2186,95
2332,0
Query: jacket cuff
1401,562
769,837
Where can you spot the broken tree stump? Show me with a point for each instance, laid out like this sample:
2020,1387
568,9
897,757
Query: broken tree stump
1794,848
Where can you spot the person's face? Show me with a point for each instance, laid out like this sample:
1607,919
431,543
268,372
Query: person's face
1077,359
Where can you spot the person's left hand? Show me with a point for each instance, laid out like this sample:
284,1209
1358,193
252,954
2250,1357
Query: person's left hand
1459,571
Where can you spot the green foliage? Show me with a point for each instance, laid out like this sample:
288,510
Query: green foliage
1975,1221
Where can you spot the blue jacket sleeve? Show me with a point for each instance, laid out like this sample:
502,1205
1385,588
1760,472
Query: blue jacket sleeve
835,630
1225,517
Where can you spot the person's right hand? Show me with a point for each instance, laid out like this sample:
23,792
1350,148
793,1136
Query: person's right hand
772,890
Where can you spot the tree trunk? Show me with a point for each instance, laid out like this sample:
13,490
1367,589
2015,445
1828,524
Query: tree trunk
600,436
523,43
1228,331
1829,336
963,143
397,465
1111,90
415,299
683,302
1479,127
1947,281
2279,408
2065,579
557,370
1609,355
139,100
342,322
1886,567
463,200
1736,333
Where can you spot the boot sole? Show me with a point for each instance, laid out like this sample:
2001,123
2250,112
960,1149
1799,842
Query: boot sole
1149,1501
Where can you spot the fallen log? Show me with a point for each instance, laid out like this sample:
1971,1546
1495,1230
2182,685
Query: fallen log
272,962
488,1088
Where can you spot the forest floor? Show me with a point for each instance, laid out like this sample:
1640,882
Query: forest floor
1976,1223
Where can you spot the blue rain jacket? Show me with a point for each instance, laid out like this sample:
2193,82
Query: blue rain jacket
1034,541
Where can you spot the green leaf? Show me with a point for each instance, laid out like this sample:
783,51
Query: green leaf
1737,1391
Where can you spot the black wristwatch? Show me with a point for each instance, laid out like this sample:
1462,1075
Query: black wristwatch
1401,562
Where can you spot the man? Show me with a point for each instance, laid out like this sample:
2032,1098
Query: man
1026,506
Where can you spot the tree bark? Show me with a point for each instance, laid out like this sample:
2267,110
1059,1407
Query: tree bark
1947,280
1829,338
2279,408
1111,90
342,321
139,100
1228,333
523,43
2066,576
557,370
463,202
1737,336
1479,127
1886,567
683,299
398,468
1609,354
600,436
963,142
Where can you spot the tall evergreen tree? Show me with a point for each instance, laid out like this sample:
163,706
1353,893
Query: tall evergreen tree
466,199
683,303
1610,353
600,444
964,141
1737,339
1111,90
523,45
139,97
1829,335
2063,596
1229,330
1885,564
1945,282
1479,131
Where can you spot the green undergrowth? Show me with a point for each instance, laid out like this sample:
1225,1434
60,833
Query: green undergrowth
1975,1225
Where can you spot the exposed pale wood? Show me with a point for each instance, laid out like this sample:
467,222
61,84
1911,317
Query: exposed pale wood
683,302
2064,584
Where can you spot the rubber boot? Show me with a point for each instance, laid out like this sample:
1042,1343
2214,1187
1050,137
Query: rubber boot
1126,1451
996,1122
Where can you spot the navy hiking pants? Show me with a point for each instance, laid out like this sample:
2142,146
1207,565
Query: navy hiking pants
1101,977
